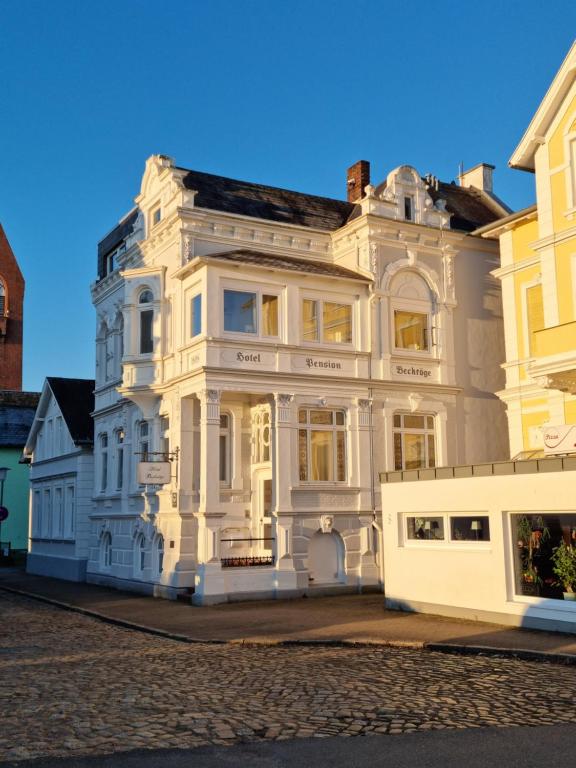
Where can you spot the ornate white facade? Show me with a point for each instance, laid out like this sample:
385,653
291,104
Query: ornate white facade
280,365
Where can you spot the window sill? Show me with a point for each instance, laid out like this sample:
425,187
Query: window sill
331,485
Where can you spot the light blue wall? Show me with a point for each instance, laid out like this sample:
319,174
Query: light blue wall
16,489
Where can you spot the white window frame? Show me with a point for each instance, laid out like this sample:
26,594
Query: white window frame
426,432
139,556
158,553
103,474
58,513
416,307
69,510
348,301
142,307
259,291
527,353
334,428
227,433
447,541
46,513
119,463
37,513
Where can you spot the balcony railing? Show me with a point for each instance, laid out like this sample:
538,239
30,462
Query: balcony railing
246,561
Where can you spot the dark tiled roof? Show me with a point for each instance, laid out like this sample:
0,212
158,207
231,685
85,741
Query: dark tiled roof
114,238
75,398
17,411
469,207
285,262
261,202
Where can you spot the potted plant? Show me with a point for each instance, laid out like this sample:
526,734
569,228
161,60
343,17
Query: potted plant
532,537
564,567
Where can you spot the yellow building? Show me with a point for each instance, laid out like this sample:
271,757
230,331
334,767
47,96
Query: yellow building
538,274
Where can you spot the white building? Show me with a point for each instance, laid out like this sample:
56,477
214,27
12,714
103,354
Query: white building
60,450
280,349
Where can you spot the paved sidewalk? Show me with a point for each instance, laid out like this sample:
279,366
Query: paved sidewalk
345,619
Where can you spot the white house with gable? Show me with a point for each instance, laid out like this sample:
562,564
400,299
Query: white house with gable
60,451
278,350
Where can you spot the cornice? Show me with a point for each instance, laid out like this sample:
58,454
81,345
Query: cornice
517,266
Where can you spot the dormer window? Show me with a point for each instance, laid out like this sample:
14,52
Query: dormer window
409,208
156,216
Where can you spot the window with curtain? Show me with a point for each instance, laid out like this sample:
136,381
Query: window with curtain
329,322
322,445
411,330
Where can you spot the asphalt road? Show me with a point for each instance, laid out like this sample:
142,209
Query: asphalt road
474,748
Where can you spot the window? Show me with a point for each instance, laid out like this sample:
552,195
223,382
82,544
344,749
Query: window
119,459
49,446
241,312
322,445
2,298
47,514
336,324
414,446
58,526
106,551
69,512
427,528
37,514
261,436
411,330
165,438
159,554
139,554
103,462
409,208
144,440
59,436
225,448
146,323
156,216
196,315
535,314
474,528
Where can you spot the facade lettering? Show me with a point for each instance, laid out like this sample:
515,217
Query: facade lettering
402,370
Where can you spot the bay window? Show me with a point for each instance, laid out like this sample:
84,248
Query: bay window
326,321
146,322
322,445
250,312
414,441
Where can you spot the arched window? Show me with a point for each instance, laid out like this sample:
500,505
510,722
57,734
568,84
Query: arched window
139,555
119,435
106,551
144,440
159,554
103,462
412,312
145,298
2,298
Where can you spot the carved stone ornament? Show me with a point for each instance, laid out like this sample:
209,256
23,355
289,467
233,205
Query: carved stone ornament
188,248
373,258
414,400
364,404
211,396
326,523
284,400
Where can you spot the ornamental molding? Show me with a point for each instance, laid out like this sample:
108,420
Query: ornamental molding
326,523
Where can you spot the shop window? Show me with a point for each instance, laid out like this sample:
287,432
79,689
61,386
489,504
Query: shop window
471,528
411,330
544,552
328,322
225,449
322,445
414,441
425,528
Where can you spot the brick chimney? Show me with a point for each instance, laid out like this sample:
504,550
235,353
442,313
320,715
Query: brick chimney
357,178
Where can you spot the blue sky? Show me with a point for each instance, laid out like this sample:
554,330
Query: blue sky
283,93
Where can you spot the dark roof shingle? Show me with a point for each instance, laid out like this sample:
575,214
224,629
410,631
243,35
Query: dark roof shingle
286,262
17,411
75,398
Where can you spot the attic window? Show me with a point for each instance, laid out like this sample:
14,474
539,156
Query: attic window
156,216
409,208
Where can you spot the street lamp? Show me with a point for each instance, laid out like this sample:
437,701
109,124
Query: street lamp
3,513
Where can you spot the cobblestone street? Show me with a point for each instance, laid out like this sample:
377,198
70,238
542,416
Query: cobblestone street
71,685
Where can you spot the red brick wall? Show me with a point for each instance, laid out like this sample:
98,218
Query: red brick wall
357,178
11,339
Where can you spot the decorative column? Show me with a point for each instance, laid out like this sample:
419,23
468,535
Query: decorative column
365,467
209,584
282,479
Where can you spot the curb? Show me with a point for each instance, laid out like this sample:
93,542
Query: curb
524,654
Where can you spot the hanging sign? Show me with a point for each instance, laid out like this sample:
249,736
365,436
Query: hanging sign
154,472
